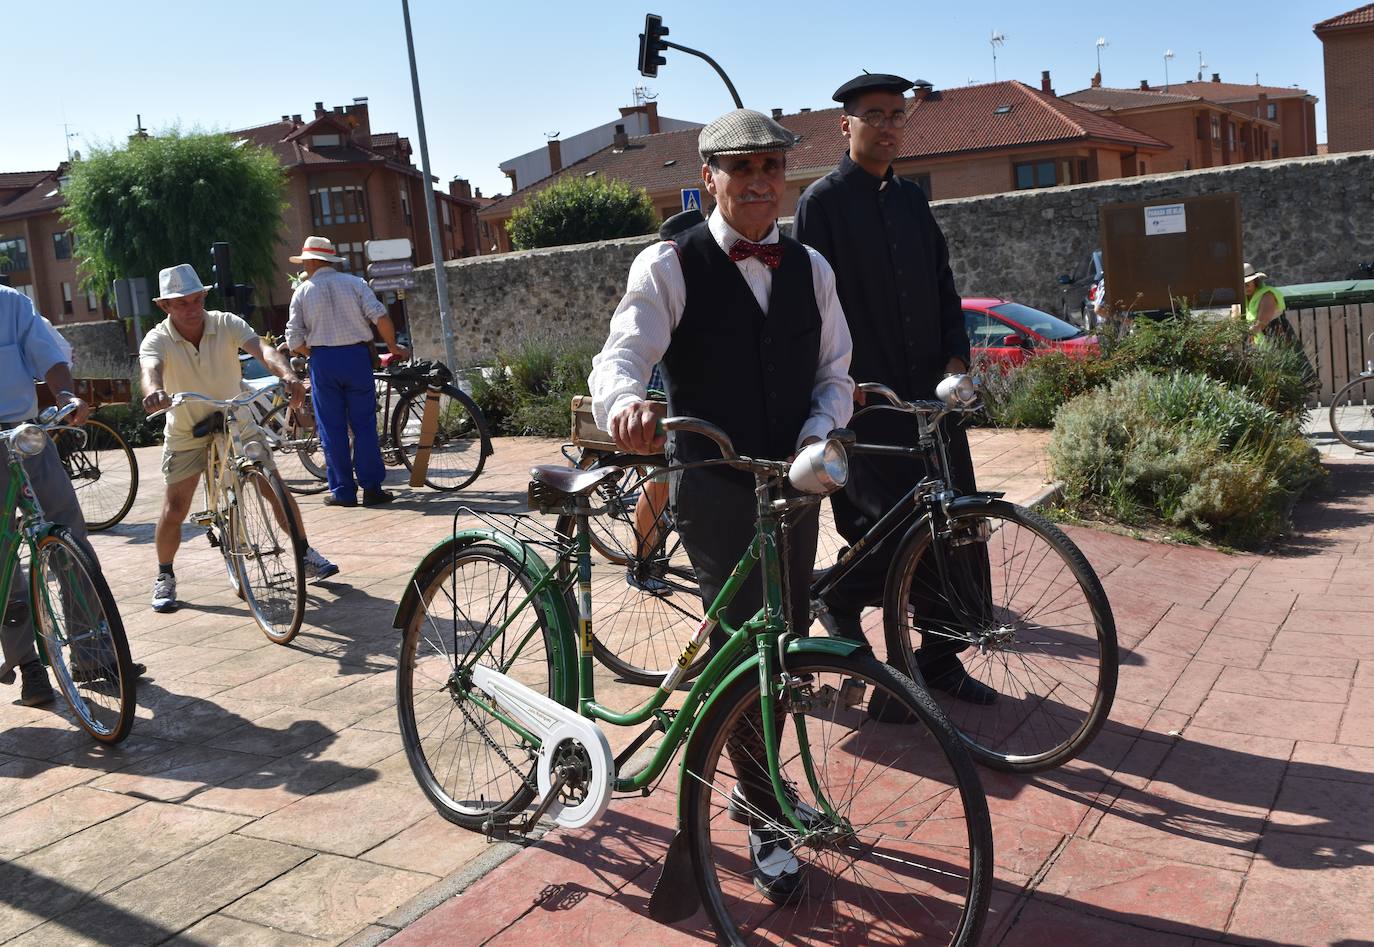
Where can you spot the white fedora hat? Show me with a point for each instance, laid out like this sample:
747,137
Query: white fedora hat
1252,274
317,248
177,281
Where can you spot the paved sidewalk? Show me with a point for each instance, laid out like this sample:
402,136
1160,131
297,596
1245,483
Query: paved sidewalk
263,797
1229,800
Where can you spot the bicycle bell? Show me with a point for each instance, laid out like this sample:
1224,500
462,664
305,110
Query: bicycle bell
822,467
957,390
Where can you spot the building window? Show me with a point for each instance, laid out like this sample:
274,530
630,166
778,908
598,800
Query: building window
62,245
1035,174
67,299
92,301
27,290
354,261
443,209
405,201
923,180
1216,128
1271,111
325,141
14,255
337,205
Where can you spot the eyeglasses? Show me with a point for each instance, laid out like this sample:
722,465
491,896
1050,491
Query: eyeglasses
877,118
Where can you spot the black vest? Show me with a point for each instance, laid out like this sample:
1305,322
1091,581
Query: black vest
729,364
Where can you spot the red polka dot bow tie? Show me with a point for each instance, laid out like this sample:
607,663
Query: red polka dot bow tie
769,254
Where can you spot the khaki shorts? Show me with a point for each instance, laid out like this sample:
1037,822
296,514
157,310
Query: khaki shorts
179,465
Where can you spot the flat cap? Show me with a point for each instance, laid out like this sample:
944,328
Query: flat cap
871,82
743,132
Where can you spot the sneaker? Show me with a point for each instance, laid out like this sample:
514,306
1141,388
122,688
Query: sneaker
36,689
165,592
317,567
777,872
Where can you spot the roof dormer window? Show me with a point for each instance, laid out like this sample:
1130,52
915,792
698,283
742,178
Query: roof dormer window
325,141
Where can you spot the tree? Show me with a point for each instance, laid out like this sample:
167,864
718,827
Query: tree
163,200
580,210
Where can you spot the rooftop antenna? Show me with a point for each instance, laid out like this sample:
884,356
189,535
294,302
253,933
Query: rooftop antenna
1200,65
1168,54
552,135
642,94
68,134
997,39
1101,45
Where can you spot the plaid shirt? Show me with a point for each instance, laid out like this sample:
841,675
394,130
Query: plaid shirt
332,308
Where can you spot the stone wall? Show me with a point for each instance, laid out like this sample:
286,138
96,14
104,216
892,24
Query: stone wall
1302,220
99,349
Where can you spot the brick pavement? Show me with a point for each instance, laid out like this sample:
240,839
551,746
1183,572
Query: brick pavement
1228,800
263,797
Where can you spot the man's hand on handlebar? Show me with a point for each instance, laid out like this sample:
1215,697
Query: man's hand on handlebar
157,400
82,412
635,429
295,390
400,351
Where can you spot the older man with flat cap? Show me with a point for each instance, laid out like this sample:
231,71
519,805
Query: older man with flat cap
751,337
893,277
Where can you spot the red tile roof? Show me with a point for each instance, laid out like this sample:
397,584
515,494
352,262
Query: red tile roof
284,141
1361,16
1235,91
952,121
41,198
15,179
1098,98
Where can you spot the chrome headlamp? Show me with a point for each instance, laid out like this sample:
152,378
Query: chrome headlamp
256,451
957,391
28,440
820,468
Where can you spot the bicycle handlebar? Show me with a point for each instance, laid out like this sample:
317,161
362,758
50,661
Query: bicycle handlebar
181,397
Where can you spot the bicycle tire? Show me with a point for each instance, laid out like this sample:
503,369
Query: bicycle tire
94,662
450,750
103,471
638,634
1038,629
461,444
850,866
269,557
1352,413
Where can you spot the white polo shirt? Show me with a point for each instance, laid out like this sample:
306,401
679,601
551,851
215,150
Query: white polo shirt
210,369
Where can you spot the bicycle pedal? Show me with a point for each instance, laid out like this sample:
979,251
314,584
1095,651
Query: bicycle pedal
203,518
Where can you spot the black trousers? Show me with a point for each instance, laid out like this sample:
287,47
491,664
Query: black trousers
716,518
876,485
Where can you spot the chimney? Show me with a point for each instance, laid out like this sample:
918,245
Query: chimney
362,124
459,187
555,156
777,114
803,111
1144,85
319,109
1216,77
296,119
478,193
286,118
923,90
1097,80
651,110
1045,82
621,139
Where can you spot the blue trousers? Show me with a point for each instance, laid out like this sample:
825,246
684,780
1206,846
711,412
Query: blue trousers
345,398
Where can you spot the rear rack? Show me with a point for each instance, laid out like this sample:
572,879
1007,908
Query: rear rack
530,530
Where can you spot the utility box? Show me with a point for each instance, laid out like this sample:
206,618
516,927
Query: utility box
1156,252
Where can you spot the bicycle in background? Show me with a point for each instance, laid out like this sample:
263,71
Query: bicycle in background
462,442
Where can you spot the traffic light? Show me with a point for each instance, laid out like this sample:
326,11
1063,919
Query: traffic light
651,44
223,277
243,295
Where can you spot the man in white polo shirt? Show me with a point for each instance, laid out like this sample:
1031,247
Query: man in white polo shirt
196,350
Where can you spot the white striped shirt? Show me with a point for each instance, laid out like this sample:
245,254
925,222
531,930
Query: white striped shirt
332,308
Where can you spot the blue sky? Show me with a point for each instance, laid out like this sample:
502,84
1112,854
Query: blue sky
497,76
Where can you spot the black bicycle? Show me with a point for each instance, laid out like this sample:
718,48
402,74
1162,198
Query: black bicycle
461,442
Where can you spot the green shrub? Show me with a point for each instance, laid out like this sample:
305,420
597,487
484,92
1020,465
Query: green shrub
576,209
1184,450
1029,394
530,390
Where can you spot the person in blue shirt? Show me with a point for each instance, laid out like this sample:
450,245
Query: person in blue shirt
28,351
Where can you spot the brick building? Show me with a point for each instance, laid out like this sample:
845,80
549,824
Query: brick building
37,248
1348,50
349,184
1294,109
981,139
1202,134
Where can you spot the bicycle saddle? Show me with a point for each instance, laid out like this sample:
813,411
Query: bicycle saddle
212,424
570,480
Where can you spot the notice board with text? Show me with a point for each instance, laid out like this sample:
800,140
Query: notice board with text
1155,252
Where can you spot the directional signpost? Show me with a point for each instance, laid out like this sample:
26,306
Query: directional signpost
390,267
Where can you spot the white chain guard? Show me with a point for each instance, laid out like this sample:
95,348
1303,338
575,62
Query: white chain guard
554,724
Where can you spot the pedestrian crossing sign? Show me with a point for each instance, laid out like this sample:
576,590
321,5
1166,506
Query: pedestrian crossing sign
691,198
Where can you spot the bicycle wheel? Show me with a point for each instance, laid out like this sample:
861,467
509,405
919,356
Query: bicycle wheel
903,854
83,636
300,457
268,551
103,472
646,604
469,764
461,442
1034,625
1352,413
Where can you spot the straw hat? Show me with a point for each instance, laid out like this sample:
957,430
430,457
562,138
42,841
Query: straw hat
317,248
1252,274
177,281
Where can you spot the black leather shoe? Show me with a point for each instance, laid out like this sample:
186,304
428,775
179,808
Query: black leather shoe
86,675
839,623
331,500
36,690
377,497
885,708
957,683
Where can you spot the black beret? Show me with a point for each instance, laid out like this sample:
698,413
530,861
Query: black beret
871,82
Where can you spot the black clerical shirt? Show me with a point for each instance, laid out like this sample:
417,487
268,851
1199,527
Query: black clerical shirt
892,273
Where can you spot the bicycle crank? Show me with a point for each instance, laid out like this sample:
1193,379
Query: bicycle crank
575,760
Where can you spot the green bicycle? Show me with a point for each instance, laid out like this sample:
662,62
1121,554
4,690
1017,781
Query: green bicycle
880,831
77,626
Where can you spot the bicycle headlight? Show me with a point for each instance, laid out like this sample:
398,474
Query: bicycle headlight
820,468
28,440
957,391
256,451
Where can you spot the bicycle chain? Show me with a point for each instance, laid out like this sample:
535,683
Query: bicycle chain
482,731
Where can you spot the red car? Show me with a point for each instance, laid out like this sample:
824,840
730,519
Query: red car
1003,331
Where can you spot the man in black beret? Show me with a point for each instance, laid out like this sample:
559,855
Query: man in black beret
750,335
894,282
